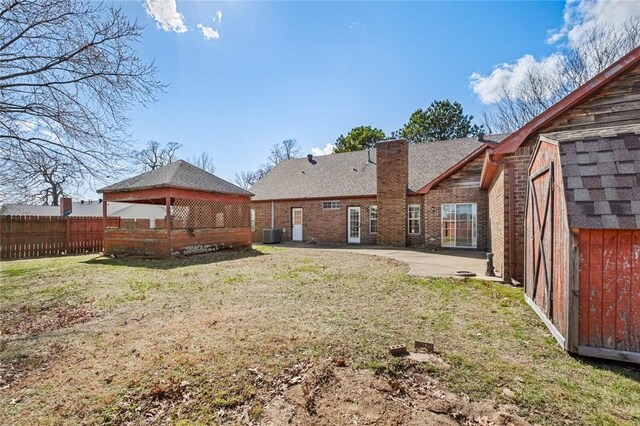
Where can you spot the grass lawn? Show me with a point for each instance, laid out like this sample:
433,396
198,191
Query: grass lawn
273,335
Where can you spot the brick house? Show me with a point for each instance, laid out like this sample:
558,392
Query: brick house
426,195
440,194
612,98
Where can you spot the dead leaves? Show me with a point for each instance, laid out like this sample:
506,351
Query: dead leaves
29,319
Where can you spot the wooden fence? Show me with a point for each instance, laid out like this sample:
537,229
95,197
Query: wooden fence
41,236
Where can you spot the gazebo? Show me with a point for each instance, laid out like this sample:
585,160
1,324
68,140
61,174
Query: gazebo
204,213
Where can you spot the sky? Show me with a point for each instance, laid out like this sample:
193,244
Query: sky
243,75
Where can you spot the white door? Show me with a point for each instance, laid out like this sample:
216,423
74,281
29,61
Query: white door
296,224
353,225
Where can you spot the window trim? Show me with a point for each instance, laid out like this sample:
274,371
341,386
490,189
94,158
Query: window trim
409,219
474,226
333,205
371,209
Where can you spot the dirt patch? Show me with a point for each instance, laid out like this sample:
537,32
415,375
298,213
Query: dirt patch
36,319
323,394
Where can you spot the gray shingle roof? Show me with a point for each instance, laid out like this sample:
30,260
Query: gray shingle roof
601,174
351,174
179,174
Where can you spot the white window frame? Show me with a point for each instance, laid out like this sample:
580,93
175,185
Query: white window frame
373,217
253,220
410,218
331,205
474,225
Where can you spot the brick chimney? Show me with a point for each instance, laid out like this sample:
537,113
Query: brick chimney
392,180
66,206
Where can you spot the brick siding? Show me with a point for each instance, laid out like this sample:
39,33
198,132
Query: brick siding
514,168
433,202
392,163
318,224
497,227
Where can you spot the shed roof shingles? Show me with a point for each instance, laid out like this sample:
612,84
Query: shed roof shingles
351,174
604,193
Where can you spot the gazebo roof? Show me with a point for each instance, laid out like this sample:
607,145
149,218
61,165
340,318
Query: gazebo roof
178,174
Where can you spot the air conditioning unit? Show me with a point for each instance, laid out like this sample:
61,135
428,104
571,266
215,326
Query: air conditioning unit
271,236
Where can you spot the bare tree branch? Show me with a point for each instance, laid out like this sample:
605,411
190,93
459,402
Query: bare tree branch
68,77
598,48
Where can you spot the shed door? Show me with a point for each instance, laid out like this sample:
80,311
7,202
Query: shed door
296,224
539,239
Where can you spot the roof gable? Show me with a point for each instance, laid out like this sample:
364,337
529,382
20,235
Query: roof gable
179,174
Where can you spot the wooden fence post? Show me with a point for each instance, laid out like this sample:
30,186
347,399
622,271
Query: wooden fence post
67,234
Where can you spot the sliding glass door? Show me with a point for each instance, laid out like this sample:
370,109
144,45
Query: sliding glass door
459,225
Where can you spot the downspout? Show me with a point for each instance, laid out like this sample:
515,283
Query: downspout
512,224
511,234
273,214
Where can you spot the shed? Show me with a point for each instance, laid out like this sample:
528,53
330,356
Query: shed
582,245
203,213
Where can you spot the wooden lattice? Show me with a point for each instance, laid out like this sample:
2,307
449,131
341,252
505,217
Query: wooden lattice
196,214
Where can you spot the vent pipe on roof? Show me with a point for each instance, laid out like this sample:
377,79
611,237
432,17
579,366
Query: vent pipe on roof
480,137
310,159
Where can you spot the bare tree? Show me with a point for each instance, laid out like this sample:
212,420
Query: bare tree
204,161
155,155
68,76
597,48
285,150
39,179
246,178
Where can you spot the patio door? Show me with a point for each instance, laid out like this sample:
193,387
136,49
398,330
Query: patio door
459,225
296,224
353,225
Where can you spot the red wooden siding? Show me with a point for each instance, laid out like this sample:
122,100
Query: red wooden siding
610,289
41,236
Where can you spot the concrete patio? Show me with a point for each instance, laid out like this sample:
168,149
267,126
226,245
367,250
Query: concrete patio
443,263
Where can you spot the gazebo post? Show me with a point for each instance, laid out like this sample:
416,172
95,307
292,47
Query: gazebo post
168,221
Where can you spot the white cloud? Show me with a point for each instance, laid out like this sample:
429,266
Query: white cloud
579,16
218,16
489,88
208,32
328,149
166,14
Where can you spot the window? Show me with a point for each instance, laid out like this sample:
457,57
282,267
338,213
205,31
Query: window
373,219
253,219
331,204
459,225
413,218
